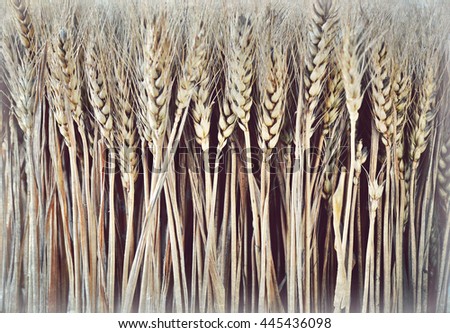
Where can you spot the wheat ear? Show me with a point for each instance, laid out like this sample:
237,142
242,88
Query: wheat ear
202,96
238,90
401,92
352,73
21,64
401,98
331,115
126,150
199,65
152,116
56,94
24,26
156,82
321,34
69,76
322,24
381,92
270,117
155,89
383,118
66,52
422,120
100,101
333,101
99,97
423,115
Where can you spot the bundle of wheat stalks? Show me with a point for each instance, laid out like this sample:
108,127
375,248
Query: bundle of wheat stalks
235,157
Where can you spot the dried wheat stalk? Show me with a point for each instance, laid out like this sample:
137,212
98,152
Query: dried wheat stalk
401,92
322,25
21,63
311,230
127,143
383,118
352,72
270,117
422,120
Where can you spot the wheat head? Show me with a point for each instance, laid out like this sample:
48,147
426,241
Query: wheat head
98,91
272,83
240,70
424,114
321,33
401,92
381,93
156,82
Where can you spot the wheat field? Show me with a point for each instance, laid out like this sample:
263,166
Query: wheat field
225,156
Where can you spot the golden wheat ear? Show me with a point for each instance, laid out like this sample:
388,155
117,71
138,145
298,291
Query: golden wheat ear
24,26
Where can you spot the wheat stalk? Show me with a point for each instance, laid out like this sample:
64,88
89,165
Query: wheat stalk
238,90
319,45
352,72
310,230
270,117
383,119
422,119
199,67
401,90
152,114
375,194
21,64
127,151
